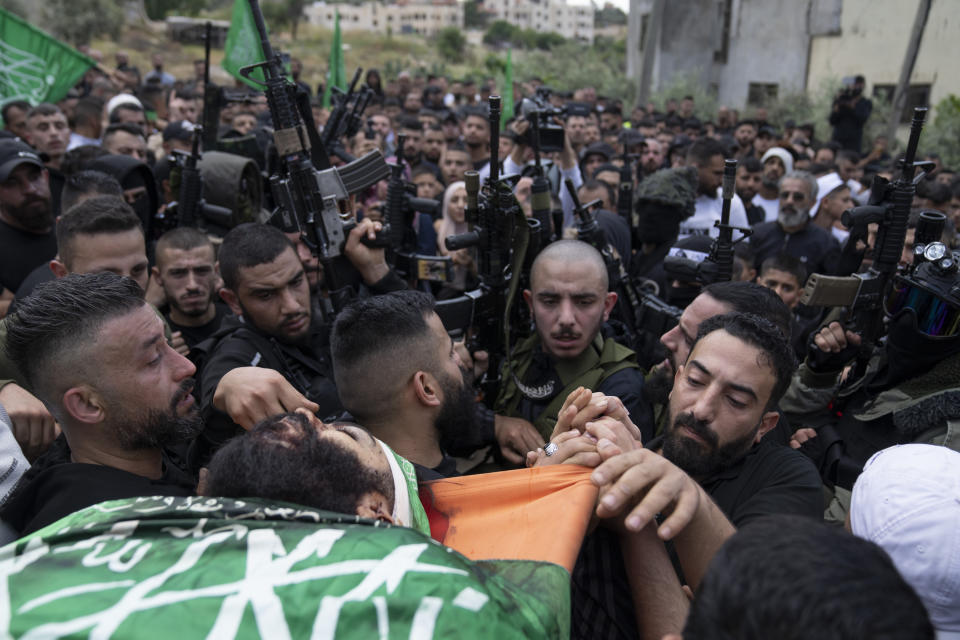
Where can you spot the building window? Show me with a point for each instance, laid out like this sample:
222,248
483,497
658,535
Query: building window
917,95
726,9
760,94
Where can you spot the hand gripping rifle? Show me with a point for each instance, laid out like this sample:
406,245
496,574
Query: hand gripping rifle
402,204
718,266
863,293
500,234
309,199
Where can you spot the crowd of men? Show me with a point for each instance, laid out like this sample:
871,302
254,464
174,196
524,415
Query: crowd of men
141,357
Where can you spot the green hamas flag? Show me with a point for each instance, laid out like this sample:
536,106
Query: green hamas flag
217,568
337,72
242,47
507,111
33,65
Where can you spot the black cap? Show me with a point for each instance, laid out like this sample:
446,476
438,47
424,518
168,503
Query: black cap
178,130
13,153
598,148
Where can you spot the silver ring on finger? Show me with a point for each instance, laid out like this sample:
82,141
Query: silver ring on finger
551,448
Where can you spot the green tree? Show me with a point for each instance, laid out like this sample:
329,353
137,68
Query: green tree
595,67
548,40
473,16
294,15
160,9
275,14
17,8
499,33
609,16
943,136
451,44
79,21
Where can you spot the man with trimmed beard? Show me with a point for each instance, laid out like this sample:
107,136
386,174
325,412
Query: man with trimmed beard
26,214
723,402
775,162
792,233
185,271
265,285
711,472
651,158
399,375
715,299
94,352
476,138
707,155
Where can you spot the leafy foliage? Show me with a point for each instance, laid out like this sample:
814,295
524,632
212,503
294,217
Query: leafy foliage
474,17
79,21
608,16
814,107
601,65
704,102
160,9
17,8
502,33
943,137
451,44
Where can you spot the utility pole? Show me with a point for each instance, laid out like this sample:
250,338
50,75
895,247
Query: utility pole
909,59
652,37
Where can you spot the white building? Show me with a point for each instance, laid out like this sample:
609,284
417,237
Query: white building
426,18
749,51
569,20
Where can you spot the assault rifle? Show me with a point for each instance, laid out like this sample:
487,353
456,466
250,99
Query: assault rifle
346,117
213,96
500,235
190,209
863,293
401,206
718,266
309,199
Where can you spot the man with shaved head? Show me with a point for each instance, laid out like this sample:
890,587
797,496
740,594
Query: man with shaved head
569,302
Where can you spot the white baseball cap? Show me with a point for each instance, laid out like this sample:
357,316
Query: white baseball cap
907,500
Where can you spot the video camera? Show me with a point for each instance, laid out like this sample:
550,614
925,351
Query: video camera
540,113
848,89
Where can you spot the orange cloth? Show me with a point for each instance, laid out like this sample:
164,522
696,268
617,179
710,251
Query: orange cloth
527,514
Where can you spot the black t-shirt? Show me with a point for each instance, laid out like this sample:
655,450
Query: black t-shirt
446,469
195,335
36,277
770,479
22,252
55,487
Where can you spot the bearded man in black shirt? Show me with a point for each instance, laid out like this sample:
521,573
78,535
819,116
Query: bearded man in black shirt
710,473
26,214
94,352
